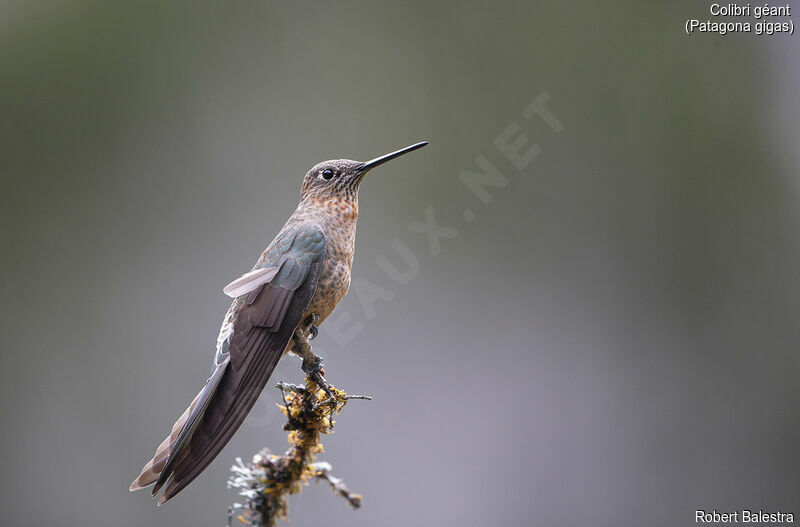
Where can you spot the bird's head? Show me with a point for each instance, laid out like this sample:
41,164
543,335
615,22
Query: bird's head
340,178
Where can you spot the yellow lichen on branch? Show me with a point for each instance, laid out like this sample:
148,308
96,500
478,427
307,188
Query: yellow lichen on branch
268,480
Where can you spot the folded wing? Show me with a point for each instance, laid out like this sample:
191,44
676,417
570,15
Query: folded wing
264,323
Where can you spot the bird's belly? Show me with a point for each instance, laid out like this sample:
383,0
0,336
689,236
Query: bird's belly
334,281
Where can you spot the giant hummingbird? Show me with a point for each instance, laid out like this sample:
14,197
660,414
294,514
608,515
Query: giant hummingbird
295,284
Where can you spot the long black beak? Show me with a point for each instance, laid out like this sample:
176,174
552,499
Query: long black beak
388,157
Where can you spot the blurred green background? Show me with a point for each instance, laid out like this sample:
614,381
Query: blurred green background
611,341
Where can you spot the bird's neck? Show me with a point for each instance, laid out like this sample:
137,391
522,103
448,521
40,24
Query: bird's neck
341,212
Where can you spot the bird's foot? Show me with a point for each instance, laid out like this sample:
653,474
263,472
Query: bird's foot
312,366
312,363
313,328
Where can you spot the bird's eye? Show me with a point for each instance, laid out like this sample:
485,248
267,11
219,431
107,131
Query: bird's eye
327,174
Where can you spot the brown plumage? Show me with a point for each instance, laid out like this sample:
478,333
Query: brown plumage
299,279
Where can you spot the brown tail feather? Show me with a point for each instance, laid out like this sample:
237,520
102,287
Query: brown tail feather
152,470
217,429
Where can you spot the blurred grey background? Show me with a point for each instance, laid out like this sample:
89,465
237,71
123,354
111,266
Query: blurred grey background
613,340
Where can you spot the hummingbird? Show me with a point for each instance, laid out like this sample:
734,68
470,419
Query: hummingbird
294,286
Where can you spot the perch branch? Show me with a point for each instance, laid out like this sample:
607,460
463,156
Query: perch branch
268,480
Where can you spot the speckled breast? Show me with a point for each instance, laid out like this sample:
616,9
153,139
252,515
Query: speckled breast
333,284
334,281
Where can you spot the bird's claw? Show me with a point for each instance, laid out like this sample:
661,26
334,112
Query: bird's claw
312,364
308,330
313,329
